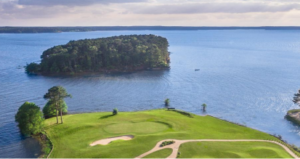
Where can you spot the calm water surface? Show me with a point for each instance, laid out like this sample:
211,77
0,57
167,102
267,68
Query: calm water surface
246,76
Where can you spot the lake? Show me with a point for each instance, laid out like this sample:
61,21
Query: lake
246,76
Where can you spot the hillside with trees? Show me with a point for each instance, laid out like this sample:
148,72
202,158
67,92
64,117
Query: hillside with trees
113,54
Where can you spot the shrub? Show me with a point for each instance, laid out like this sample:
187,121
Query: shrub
32,68
165,143
30,119
115,111
296,148
47,150
167,102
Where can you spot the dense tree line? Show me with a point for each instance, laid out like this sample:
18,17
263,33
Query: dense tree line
119,53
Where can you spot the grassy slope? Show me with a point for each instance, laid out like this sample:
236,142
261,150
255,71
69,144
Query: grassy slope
294,111
72,138
232,150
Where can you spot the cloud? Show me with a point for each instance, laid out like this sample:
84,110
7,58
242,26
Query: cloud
13,10
221,7
149,12
74,2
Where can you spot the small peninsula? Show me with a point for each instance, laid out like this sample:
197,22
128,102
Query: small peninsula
140,134
294,114
123,53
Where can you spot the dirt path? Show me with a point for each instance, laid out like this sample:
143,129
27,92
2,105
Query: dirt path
108,140
177,144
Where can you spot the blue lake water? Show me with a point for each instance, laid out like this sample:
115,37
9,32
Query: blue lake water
246,76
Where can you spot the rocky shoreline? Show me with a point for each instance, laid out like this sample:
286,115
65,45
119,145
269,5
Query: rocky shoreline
293,116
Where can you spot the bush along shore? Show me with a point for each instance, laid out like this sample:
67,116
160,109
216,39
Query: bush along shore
45,142
124,53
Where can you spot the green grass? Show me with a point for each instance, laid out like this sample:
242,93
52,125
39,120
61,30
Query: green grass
232,150
164,153
72,139
294,111
136,127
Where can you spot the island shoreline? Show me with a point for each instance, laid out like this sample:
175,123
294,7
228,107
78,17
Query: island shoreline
103,72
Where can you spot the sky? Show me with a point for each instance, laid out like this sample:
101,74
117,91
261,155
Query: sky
149,12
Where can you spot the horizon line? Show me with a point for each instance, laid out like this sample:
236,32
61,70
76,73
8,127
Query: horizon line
156,26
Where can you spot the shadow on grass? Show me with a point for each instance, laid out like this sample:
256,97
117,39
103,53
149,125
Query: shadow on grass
182,112
164,123
52,125
106,116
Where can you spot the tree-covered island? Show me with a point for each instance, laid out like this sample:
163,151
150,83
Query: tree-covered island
113,54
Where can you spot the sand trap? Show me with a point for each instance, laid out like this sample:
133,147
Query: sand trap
108,140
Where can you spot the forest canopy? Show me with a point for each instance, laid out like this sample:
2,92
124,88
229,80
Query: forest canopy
117,53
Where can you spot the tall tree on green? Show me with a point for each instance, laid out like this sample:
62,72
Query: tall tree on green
204,107
30,119
50,111
57,95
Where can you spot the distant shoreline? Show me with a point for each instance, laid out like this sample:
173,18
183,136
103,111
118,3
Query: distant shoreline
60,29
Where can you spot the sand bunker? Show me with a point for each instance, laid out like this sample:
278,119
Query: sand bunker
108,140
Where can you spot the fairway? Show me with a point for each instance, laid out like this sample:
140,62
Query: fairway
73,138
232,150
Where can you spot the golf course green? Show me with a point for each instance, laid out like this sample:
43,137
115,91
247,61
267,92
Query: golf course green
73,138
232,150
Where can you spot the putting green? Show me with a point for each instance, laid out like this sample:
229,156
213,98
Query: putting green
136,127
